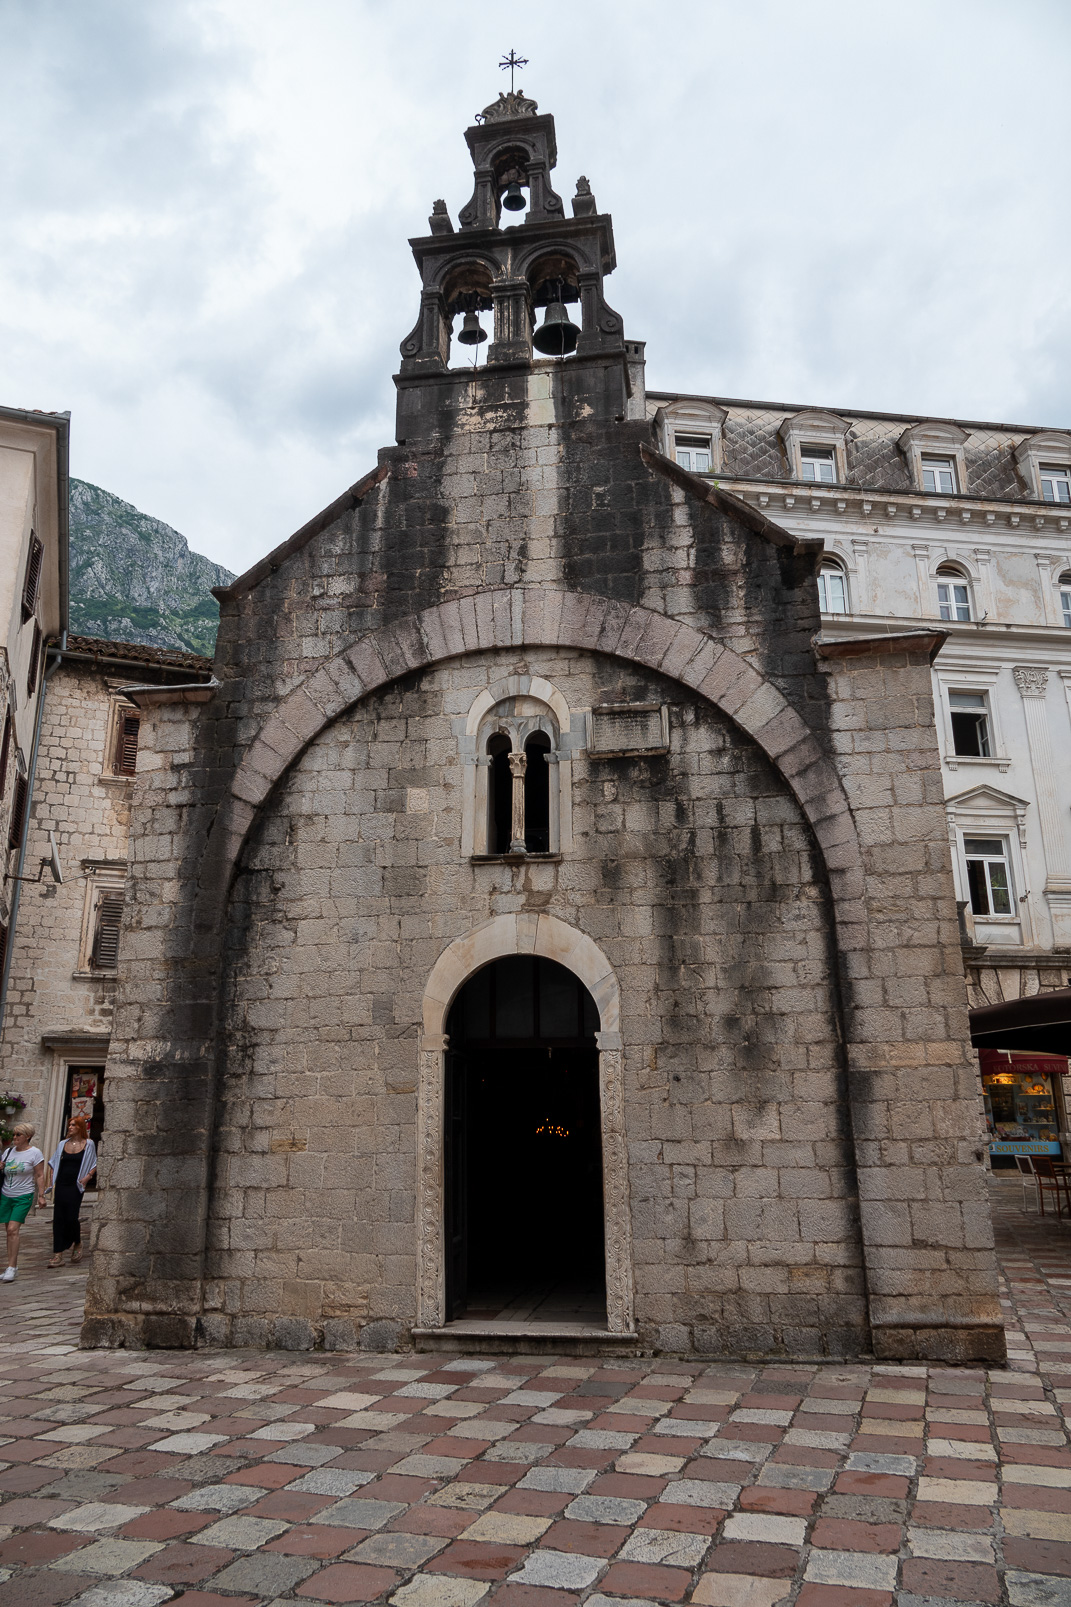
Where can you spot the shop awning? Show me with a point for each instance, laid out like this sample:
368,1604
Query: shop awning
1038,1025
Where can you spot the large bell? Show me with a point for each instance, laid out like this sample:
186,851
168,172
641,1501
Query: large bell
557,335
513,200
471,334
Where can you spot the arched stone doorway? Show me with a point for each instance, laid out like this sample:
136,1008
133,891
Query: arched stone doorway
523,1148
570,951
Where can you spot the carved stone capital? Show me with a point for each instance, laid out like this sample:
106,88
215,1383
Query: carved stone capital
1031,682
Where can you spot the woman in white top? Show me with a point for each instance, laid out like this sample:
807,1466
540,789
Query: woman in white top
24,1182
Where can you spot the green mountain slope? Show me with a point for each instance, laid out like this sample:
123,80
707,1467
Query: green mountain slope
134,579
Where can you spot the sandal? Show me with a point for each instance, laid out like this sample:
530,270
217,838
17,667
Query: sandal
76,1254
57,1261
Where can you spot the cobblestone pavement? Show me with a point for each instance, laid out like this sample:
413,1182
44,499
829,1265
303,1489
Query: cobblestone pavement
129,1479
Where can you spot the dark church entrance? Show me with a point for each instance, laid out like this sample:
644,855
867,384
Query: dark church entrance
524,1213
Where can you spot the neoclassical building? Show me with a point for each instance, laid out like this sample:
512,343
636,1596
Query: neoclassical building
543,929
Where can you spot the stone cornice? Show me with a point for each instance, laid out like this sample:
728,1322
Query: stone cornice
908,508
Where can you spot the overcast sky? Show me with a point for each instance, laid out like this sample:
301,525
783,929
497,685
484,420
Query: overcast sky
207,203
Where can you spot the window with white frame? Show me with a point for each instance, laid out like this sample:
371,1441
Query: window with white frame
832,589
1055,482
818,463
969,715
938,474
693,452
1065,597
953,593
988,875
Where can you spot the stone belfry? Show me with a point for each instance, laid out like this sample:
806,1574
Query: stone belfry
535,894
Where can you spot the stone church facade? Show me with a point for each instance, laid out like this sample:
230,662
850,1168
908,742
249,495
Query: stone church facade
537,895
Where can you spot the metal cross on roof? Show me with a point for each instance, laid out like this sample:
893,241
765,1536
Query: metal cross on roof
512,61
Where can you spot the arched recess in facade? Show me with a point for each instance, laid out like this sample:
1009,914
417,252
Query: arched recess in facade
525,616
553,939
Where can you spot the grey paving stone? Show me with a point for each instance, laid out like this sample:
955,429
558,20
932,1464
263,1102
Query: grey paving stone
602,1439
430,1467
267,1573
308,1456
559,1570
679,1550
737,1450
107,1557
515,1451
701,1493
875,1462
437,1590
565,1480
124,1593
357,1514
395,1550
605,1509
784,1476
240,1534
226,1498
332,1481
1037,1590
96,1515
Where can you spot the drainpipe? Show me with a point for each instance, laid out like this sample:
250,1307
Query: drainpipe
16,896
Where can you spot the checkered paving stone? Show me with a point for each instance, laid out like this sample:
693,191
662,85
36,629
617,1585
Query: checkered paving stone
131,1479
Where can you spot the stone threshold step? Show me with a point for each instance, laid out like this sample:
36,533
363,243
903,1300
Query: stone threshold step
526,1338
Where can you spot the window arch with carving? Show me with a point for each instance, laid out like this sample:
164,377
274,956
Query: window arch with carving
518,744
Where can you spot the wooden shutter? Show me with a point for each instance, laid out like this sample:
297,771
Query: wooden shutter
106,937
32,583
18,812
126,744
35,661
5,753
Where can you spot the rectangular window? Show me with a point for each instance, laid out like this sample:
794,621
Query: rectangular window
970,724
818,463
988,881
32,583
125,760
18,812
1055,482
3,947
1065,609
953,601
938,474
35,661
5,753
105,956
693,452
832,596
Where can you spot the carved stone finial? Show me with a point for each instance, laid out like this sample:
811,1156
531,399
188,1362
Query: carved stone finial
1031,682
439,222
511,103
583,201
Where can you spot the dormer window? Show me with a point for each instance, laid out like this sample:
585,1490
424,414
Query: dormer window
817,463
953,593
693,452
1065,597
832,589
1055,482
939,475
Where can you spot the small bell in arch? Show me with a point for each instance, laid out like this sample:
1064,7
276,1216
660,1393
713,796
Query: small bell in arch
557,335
513,200
471,334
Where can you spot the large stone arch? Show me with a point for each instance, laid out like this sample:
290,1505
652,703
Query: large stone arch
527,616
553,939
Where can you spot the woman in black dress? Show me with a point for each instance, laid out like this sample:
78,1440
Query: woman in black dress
70,1168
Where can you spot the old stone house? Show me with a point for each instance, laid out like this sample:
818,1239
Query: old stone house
540,932
63,959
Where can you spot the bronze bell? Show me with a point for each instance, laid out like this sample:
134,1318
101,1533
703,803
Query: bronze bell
471,334
513,200
557,335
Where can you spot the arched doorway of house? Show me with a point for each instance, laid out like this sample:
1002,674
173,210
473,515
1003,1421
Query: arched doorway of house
523,1147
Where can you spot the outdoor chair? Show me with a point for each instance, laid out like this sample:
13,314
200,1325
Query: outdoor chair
1029,1180
1052,1180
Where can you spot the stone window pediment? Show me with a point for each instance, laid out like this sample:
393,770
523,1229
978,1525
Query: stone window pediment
814,444
692,435
1045,450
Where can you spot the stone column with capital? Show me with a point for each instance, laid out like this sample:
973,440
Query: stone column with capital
1033,685
518,764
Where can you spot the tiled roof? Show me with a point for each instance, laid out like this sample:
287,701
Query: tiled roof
138,653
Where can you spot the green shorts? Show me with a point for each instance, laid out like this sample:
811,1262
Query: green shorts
15,1207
